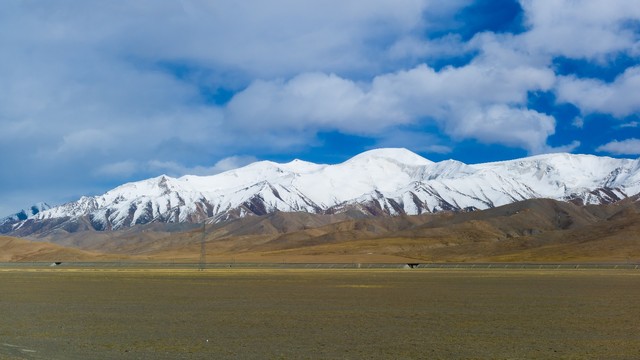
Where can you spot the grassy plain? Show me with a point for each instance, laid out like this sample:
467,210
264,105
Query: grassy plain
62,313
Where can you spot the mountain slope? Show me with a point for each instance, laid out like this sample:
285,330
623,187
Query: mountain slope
13,249
377,182
537,230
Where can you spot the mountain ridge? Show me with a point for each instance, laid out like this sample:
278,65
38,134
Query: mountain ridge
376,182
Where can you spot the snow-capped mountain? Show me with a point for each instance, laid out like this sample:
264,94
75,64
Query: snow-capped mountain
383,181
6,224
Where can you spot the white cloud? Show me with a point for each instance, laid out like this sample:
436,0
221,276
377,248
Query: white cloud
312,100
499,124
85,140
477,82
92,85
619,98
415,140
567,148
591,29
632,124
118,169
595,30
578,122
120,105
477,101
97,88
232,162
412,47
624,147
175,169
279,38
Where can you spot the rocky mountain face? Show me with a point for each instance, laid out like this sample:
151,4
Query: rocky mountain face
377,182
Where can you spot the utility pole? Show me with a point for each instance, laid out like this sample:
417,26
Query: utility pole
203,251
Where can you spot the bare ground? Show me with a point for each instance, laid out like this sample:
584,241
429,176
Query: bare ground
319,314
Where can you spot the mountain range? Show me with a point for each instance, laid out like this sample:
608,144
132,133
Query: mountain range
535,230
376,182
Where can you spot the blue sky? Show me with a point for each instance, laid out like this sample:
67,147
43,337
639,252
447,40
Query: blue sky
98,93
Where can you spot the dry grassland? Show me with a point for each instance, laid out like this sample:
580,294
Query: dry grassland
319,314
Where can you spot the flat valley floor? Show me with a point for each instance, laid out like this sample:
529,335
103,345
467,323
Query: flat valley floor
319,314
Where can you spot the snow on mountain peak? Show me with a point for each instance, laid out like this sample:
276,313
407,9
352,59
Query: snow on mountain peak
448,169
390,181
26,213
398,155
301,167
574,170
